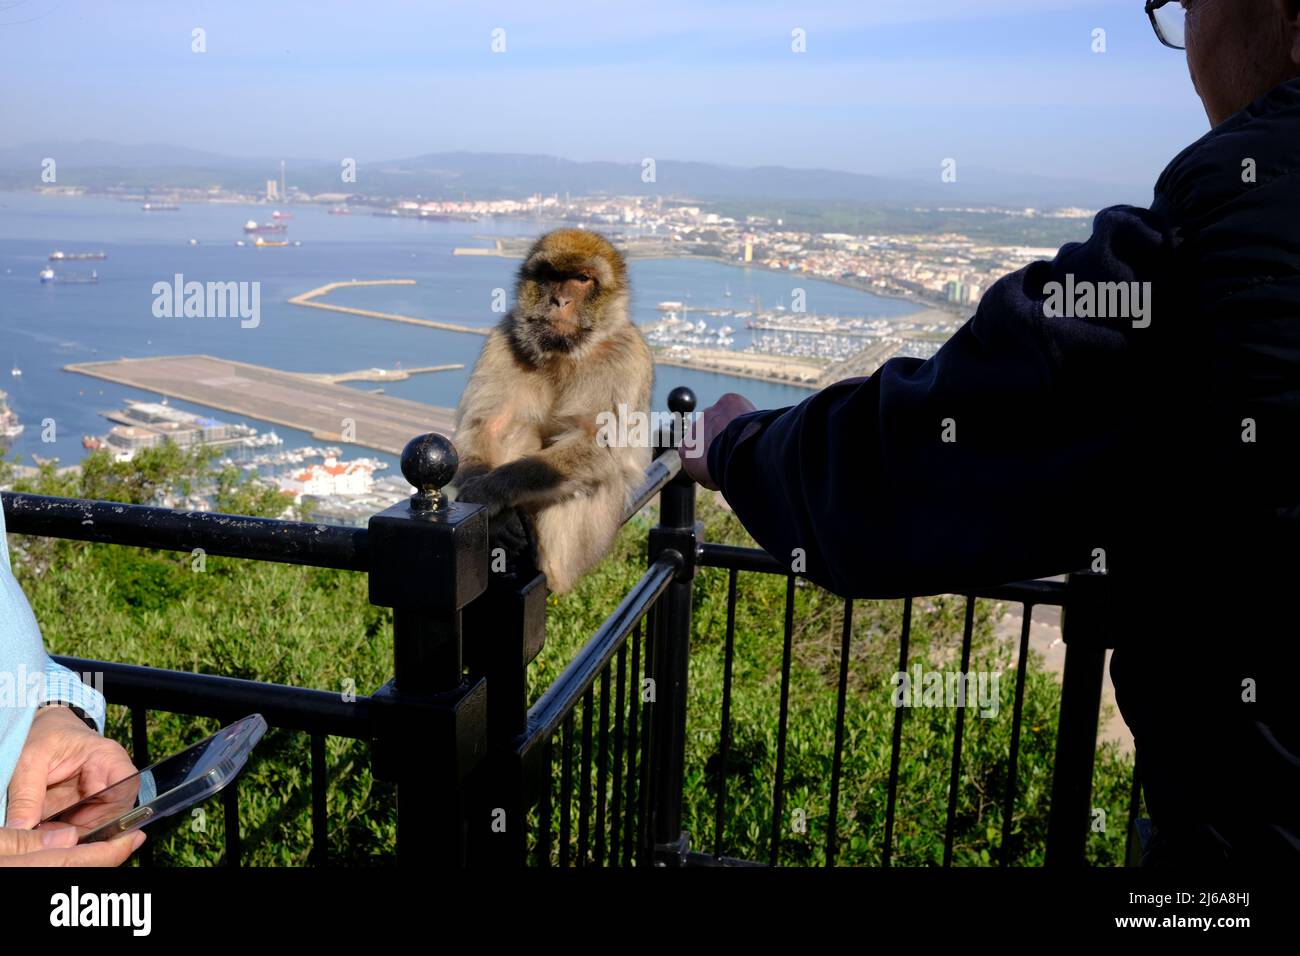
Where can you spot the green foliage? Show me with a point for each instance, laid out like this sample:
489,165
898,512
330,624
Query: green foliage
151,473
237,494
316,628
873,218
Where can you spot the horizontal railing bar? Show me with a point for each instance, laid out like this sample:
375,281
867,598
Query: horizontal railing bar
742,559
661,471
207,695
727,556
1044,591
234,536
695,858
567,689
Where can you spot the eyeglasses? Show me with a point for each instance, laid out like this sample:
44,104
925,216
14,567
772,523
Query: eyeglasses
1168,18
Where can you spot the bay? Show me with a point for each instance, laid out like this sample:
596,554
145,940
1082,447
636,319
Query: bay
44,327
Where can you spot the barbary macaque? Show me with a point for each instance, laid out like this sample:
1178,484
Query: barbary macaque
564,361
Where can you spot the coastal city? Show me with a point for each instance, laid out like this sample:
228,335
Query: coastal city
942,269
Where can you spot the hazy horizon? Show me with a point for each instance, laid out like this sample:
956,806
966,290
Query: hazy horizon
889,90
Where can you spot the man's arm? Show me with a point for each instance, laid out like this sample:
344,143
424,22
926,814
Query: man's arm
1002,457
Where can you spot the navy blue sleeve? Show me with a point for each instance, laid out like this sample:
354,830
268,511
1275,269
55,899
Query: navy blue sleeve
1000,458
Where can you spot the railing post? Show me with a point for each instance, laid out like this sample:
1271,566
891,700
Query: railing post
505,630
428,560
670,649
1084,624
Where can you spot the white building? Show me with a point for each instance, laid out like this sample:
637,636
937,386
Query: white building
332,478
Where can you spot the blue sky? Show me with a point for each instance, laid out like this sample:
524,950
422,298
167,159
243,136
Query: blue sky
885,87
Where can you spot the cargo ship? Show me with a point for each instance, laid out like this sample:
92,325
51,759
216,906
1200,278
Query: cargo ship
160,207
253,226
48,276
60,256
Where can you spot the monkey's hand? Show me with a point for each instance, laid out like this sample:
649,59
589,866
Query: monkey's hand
482,490
512,531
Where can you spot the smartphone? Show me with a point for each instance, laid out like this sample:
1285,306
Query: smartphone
166,788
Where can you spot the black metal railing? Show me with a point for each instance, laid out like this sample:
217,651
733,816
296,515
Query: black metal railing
1066,841
593,772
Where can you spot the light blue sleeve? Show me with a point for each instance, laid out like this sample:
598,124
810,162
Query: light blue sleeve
28,677
67,687
59,684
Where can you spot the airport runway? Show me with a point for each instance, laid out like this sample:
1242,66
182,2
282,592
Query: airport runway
326,410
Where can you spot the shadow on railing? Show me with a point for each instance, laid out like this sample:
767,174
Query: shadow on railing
492,769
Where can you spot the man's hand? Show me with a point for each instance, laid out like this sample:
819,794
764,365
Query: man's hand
57,847
695,461
62,762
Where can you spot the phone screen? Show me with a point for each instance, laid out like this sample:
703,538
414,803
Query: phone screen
165,788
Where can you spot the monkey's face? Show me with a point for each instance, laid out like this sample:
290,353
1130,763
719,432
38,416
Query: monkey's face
567,286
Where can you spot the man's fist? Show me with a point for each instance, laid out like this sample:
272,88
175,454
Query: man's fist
707,427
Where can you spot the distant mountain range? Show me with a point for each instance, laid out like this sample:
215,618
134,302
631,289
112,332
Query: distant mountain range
99,164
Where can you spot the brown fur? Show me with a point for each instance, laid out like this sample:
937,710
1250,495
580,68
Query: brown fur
526,424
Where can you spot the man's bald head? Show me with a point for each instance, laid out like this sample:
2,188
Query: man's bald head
1238,50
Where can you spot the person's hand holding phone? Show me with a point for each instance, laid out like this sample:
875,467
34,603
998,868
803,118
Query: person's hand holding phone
63,761
57,846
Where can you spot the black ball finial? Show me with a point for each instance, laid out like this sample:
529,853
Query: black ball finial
681,400
429,462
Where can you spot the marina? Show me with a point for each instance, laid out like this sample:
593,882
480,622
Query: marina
805,350
327,411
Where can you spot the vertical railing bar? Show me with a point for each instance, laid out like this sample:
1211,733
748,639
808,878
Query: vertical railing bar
837,762
647,741
602,768
1013,768
584,794
140,737
724,738
615,819
140,756
1084,618
633,699
1134,808
230,800
954,778
545,811
566,789
896,746
778,793
319,811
